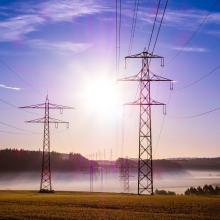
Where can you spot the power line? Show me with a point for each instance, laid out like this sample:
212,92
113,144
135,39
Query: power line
199,114
118,34
194,82
161,21
12,132
12,70
164,116
162,126
133,27
204,20
17,128
14,106
12,126
201,78
189,116
155,42
152,31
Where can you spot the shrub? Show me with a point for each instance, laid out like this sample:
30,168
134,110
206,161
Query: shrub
164,192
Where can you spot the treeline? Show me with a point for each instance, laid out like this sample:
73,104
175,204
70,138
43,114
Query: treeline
205,190
158,165
13,160
176,165
164,192
199,163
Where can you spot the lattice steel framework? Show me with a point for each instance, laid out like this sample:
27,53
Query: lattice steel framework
145,77
125,174
91,172
45,182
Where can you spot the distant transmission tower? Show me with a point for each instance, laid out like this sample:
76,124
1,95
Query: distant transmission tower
91,172
45,183
125,174
145,77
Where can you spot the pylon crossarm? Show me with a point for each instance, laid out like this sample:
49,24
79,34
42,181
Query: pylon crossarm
42,105
130,78
158,78
57,121
144,55
153,102
55,106
38,120
51,120
54,120
153,78
138,102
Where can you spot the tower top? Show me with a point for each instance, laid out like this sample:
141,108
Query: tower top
144,55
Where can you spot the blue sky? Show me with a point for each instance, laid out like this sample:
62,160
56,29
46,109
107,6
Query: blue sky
53,46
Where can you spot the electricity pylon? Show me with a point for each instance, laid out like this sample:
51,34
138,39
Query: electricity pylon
91,172
45,183
145,77
125,174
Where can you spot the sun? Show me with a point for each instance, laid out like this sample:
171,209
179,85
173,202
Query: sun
102,97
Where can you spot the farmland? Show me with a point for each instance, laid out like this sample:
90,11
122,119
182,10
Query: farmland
78,205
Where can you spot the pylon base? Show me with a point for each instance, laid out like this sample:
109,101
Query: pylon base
46,191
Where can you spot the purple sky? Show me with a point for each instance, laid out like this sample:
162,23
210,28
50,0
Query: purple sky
60,47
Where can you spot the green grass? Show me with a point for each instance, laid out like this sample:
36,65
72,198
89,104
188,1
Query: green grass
106,206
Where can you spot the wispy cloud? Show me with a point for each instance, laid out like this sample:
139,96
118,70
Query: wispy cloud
60,47
30,18
181,19
191,49
67,10
215,33
16,27
9,87
190,18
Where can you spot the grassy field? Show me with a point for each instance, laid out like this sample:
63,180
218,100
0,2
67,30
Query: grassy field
74,205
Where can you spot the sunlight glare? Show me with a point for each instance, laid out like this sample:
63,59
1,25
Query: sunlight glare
102,97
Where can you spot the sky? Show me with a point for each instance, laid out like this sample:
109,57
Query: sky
66,49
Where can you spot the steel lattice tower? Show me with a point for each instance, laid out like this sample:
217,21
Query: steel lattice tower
91,172
45,183
145,77
125,174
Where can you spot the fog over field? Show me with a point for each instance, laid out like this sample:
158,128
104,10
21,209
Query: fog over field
80,181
